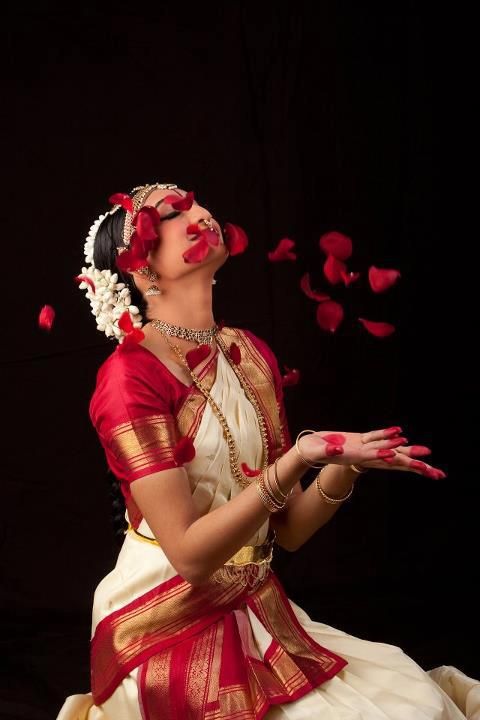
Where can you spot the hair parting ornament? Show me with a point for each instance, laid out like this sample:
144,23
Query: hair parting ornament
110,299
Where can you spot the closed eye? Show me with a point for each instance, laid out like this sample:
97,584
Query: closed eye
171,215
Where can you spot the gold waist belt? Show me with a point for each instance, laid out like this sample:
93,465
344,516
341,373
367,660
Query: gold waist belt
248,566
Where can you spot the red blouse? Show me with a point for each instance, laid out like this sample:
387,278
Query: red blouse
140,409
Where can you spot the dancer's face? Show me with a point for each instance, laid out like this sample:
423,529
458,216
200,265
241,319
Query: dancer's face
168,259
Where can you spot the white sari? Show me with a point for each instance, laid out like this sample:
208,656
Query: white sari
379,681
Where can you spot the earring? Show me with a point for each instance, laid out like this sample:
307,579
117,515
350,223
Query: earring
153,290
148,272
214,282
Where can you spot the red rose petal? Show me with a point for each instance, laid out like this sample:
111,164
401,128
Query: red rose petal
83,278
313,294
248,471
333,269
180,203
292,377
184,450
379,329
335,438
336,244
283,251
349,278
125,322
329,315
146,223
193,229
198,252
381,279
211,237
236,239
122,199
194,357
46,317
132,339
235,353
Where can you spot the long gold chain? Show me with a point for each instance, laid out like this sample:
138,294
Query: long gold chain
233,451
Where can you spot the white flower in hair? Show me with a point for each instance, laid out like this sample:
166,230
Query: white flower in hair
111,298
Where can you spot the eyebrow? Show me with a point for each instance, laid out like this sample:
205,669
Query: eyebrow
160,201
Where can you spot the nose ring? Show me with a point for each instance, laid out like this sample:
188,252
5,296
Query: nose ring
208,222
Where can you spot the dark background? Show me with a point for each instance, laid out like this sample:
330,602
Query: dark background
289,119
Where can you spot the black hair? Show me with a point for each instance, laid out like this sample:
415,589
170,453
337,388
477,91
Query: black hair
108,238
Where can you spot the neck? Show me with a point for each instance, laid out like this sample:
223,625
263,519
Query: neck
186,304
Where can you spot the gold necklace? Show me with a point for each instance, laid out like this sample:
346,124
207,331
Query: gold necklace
233,452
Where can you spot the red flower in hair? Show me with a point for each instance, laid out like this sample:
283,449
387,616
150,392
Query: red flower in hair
46,317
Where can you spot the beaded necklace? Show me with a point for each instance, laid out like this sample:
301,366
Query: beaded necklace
233,452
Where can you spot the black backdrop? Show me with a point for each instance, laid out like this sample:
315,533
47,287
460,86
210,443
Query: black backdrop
290,119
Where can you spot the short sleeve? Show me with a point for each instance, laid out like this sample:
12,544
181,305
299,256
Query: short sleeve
132,414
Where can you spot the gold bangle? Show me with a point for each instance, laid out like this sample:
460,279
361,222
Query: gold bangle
277,484
327,498
280,500
268,500
357,469
300,454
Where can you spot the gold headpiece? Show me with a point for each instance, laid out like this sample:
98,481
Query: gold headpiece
140,194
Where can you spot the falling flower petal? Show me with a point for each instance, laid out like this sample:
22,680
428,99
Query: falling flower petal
83,278
197,252
146,223
313,294
381,279
127,261
336,244
329,315
236,239
235,353
248,471
349,278
180,203
46,317
211,237
379,329
193,229
292,376
283,251
184,450
194,357
132,339
333,269
122,199
125,322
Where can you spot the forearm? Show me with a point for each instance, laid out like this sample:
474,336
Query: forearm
308,511
214,538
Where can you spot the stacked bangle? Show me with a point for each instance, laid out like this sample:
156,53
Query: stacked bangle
267,494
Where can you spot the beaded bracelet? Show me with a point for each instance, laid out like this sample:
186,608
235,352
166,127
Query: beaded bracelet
327,498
